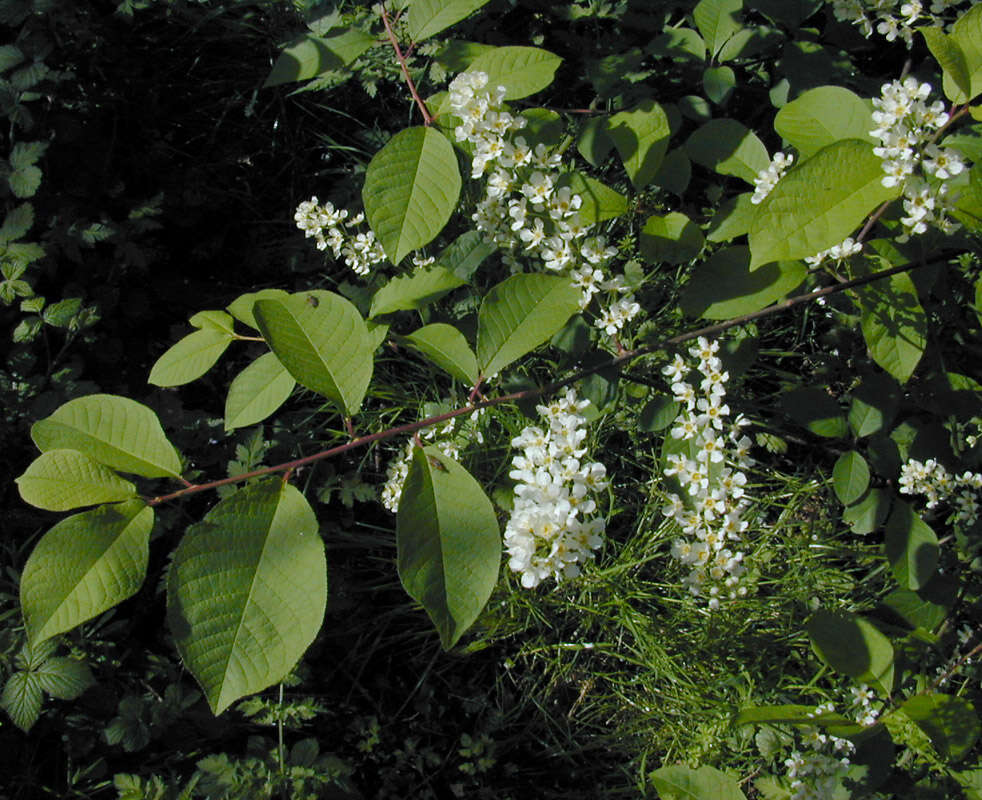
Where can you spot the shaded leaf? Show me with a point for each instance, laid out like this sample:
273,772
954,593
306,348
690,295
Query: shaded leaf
911,547
641,138
850,477
729,148
64,678
672,238
951,723
21,699
894,324
851,645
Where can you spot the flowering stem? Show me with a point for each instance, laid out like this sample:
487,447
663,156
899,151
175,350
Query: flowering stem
427,118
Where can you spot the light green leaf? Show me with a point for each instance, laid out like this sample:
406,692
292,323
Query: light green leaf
189,358
322,341
411,189
519,314
84,565
819,203
704,783
672,239
682,43
64,678
427,17
894,324
26,154
966,33
723,286
850,477
926,608
869,512
309,56
246,591
957,80
214,321
732,219
851,645
641,138
600,202
60,480
257,392
412,292
718,84
951,722
446,347
241,307
449,544
911,547
717,21
21,699
465,254
729,148
114,431
521,70
824,115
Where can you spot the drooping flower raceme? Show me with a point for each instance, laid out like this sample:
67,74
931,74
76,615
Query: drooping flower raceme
708,464
554,525
939,486
332,227
893,19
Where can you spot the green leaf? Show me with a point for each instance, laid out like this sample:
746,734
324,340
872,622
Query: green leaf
21,699
717,21
788,715
257,392
26,154
214,321
241,307
732,219
723,287
718,84
851,645
61,314
822,116
60,480
894,324
911,547
322,341
672,238
850,477
600,202
815,409
868,513
427,17
966,34
189,358
704,783
84,565
114,431
24,182
309,56
874,404
951,723
521,70
17,223
926,608
446,347
729,148
819,203
413,292
641,138
246,591
658,413
682,43
10,56
64,678
465,254
518,315
449,544
411,189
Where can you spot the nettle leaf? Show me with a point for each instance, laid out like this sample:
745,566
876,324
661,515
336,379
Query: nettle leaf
911,547
411,189
600,202
413,292
309,56
428,17
704,783
17,223
64,678
449,544
521,70
257,392
114,431
641,138
672,238
24,182
850,477
818,203
822,116
717,21
851,645
723,287
84,565
322,341
446,347
241,307
951,722
21,699
894,324
519,314
247,590
195,354
60,480
729,148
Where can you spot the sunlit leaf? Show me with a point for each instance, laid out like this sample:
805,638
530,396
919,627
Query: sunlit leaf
309,56
60,480
257,392
412,292
851,645
521,70
428,17
911,547
446,347
704,783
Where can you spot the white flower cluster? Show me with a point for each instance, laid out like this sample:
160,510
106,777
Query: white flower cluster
816,772
712,478
525,210
399,469
839,252
893,19
768,177
549,532
906,127
938,485
329,228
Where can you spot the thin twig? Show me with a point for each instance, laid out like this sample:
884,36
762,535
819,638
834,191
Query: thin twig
427,117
